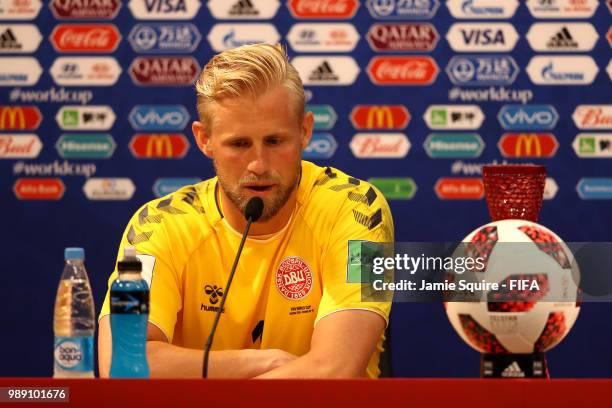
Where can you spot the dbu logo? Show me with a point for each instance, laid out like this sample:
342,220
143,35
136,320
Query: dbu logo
159,117
528,117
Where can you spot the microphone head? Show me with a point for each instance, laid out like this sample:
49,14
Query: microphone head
254,209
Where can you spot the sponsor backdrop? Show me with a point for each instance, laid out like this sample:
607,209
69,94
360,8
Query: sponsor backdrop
96,101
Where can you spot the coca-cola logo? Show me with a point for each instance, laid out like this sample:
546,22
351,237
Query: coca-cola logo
85,9
403,37
85,38
380,145
403,70
593,116
323,9
164,70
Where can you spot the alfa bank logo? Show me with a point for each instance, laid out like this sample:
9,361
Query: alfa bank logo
562,70
528,145
164,9
482,70
164,37
13,117
575,9
331,70
482,9
459,188
159,146
85,9
224,36
19,71
159,117
39,189
405,37
20,9
323,37
164,71
243,9
528,117
80,71
323,9
401,70
380,145
593,116
20,146
380,117
19,38
402,9
85,38
482,37
562,37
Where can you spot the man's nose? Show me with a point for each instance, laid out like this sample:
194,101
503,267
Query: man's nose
258,160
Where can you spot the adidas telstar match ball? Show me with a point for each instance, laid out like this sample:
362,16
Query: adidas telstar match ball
537,300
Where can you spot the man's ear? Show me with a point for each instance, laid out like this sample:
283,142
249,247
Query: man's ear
202,138
307,127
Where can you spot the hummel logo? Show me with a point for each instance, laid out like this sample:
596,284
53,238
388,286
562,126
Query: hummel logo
323,73
243,8
513,370
215,293
563,39
8,41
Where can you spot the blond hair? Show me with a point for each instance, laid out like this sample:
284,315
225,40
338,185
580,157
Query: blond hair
249,70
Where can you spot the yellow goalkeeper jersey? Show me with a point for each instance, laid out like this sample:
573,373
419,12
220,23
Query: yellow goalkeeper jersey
284,283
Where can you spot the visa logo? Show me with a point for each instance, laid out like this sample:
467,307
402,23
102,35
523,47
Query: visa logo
528,117
483,37
165,6
159,117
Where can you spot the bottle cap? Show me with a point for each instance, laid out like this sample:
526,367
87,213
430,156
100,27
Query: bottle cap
74,254
130,262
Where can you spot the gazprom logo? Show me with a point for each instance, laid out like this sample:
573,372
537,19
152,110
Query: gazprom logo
528,117
159,117
321,146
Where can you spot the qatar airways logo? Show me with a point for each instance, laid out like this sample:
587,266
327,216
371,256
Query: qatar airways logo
380,145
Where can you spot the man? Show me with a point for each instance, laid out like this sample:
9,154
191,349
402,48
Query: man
291,311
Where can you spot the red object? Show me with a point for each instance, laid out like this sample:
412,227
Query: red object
164,70
532,145
85,9
380,117
39,188
85,38
403,37
417,70
323,9
422,393
514,191
14,117
159,145
459,188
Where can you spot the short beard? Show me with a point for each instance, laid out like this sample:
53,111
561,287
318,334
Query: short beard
271,206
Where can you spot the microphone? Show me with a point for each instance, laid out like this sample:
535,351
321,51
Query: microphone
252,212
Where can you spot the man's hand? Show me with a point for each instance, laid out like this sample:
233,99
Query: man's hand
170,361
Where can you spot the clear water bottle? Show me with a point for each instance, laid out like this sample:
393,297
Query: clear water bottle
129,305
74,320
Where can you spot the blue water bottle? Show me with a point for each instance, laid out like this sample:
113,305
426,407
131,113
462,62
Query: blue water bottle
129,305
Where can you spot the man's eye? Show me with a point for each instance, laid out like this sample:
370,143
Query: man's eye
239,143
274,141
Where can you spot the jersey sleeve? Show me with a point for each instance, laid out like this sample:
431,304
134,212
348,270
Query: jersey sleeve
364,221
147,232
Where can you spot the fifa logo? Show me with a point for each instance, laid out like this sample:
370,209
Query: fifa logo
379,117
12,118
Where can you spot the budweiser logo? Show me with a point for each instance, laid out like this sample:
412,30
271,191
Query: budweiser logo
403,70
19,146
389,145
593,116
85,37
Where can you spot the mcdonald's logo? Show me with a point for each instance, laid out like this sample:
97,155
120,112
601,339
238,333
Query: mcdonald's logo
380,117
531,145
19,117
159,146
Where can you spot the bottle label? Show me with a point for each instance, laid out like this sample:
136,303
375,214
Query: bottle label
74,353
129,302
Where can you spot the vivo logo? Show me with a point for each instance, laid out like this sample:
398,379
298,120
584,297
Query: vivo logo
528,117
159,117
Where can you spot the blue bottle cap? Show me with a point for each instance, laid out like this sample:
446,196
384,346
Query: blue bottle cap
74,254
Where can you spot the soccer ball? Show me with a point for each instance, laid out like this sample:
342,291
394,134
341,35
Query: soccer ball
537,301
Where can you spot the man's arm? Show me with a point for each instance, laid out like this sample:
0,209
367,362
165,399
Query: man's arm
170,361
341,347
